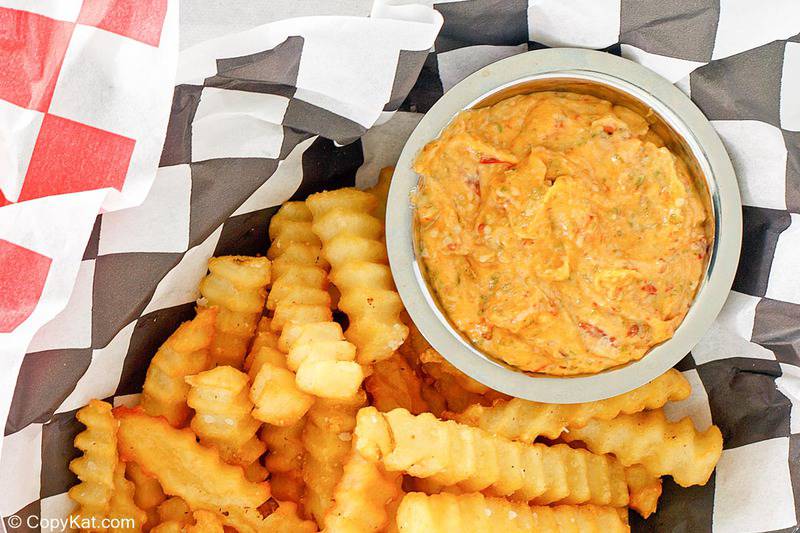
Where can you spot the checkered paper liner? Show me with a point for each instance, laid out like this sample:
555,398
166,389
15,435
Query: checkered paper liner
290,108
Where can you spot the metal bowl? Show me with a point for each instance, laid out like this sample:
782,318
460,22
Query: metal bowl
671,114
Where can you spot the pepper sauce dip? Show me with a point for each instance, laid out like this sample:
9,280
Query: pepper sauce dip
558,233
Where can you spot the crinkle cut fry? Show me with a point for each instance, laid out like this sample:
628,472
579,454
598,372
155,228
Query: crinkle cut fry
467,513
665,448
393,383
522,420
327,439
644,489
122,503
182,466
238,286
454,454
285,460
96,467
352,242
363,497
147,493
184,353
274,391
325,367
223,417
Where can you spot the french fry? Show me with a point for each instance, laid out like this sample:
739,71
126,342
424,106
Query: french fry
278,399
430,358
122,505
327,439
454,454
352,243
182,466
381,191
174,510
147,493
96,468
476,513
299,290
323,361
361,500
274,391
185,352
169,527
238,286
222,416
204,522
285,460
441,390
324,366
285,519
644,489
393,383
263,338
665,448
522,420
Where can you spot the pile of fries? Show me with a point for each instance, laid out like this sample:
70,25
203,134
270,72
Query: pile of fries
264,413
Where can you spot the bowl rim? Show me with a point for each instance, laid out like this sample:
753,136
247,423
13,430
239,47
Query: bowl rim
706,147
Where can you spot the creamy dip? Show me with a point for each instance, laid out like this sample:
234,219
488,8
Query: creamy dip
558,233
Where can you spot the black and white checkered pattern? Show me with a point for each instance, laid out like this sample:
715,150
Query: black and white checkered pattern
224,175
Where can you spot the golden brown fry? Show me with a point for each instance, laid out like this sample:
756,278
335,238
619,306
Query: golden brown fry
277,398
352,243
443,386
393,384
285,519
327,439
122,505
300,278
222,415
97,466
323,361
455,454
644,489
169,527
431,357
185,352
175,510
205,522
476,513
324,366
522,420
263,338
285,460
182,466
665,448
381,191
274,391
238,286
147,494
363,496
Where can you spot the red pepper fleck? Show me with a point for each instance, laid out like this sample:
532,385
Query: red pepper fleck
451,246
481,227
609,129
494,160
633,330
591,329
528,242
649,288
